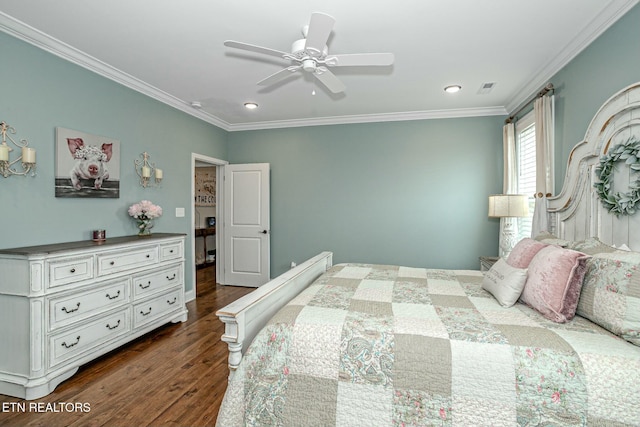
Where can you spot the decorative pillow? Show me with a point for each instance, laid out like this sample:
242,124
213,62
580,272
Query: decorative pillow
554,282
504,282
611,293
551,239
523,252
591,246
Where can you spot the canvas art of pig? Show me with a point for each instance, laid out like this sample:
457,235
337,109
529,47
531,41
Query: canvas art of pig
90,162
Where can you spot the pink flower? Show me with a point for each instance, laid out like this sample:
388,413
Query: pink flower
273,336
555,397
529,352
286,370
145,210
443,414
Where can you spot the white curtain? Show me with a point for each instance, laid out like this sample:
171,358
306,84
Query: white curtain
545,124
509,181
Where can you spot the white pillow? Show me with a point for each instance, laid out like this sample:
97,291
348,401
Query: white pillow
504,282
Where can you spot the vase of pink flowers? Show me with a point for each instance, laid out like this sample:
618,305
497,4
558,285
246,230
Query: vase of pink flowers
144,213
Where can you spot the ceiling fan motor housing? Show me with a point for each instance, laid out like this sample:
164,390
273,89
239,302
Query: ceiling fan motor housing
300,51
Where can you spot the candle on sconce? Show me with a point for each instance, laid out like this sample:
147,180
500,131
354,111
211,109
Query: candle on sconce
4,152
28,155
146,171
159,173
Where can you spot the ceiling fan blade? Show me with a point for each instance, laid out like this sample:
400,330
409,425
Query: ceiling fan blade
330,80
360,59
280,75
320,27
254,48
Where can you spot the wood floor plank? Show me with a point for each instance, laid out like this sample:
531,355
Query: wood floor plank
173,376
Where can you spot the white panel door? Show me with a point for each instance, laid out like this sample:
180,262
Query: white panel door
246,224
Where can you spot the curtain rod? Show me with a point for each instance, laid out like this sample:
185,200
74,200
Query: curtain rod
548,88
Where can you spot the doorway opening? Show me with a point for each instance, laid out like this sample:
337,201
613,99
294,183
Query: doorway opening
207,243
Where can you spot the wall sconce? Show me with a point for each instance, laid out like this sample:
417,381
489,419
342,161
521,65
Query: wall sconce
28,156
146,170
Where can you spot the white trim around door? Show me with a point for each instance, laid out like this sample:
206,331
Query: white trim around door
199,159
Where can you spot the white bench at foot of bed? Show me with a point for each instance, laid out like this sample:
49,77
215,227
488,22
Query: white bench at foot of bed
244,317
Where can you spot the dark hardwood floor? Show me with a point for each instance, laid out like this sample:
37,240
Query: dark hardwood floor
173,376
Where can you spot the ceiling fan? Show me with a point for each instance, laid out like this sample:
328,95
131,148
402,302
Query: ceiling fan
311,54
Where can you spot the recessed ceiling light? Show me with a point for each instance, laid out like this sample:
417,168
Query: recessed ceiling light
452,88
250,105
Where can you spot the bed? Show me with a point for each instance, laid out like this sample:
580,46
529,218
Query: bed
369,345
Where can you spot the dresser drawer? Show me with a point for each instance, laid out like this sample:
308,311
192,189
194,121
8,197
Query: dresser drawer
149,310
156,281
171,251
82,339
121,261
70,270
67,309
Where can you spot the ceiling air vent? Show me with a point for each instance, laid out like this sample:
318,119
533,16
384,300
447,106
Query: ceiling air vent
486,88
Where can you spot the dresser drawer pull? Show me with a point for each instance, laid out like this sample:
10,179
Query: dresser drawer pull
112,263
172,277
66,310
147,313
170,251
65,345
172,302
148,256
73,270
114,326
113,297
145,287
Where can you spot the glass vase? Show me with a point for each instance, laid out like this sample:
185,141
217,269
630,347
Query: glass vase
144,227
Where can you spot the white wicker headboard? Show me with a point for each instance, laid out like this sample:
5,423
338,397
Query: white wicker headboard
577,213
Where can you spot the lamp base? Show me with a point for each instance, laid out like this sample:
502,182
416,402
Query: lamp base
508,237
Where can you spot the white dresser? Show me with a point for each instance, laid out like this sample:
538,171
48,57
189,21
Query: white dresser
65,304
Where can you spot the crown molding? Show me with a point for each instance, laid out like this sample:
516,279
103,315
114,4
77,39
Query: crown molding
595,28
37,38
49,44
370,118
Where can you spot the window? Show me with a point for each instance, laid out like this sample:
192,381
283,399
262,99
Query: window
526,164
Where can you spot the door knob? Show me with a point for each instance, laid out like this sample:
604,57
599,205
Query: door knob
264,231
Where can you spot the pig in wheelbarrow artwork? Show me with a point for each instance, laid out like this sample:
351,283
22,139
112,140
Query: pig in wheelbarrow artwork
86,165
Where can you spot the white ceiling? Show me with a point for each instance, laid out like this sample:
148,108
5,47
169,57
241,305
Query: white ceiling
174,52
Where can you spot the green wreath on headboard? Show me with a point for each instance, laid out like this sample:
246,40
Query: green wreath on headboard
618,202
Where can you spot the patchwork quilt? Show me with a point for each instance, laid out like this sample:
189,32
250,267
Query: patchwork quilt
371,345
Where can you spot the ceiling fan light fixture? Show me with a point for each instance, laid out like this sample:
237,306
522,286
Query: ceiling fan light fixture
250,105
452,88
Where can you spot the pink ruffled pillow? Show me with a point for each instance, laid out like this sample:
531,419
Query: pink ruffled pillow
523,252
554,282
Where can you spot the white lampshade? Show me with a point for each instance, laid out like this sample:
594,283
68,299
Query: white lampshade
508,205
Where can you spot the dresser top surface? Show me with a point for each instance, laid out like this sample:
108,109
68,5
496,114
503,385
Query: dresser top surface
86,244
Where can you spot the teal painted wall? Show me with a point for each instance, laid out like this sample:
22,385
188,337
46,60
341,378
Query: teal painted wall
411,193
41,92
608,65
